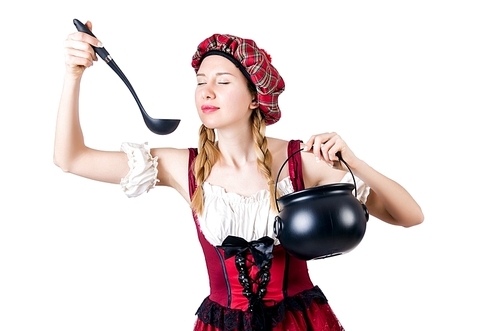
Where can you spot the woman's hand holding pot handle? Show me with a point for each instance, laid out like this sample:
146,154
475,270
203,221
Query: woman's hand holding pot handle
329,147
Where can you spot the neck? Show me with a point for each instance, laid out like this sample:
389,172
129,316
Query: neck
237,148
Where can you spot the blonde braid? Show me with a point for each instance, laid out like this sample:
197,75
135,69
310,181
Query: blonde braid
264,157
208,154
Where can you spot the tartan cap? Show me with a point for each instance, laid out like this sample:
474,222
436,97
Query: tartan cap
254,63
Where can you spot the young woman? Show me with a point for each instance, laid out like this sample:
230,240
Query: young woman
229,181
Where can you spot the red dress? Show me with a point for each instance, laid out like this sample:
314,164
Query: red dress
257,285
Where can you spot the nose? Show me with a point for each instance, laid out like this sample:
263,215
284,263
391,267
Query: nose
207,91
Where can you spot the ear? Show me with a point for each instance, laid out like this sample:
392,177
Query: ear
254,104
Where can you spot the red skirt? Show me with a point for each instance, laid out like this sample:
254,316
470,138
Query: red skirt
307,311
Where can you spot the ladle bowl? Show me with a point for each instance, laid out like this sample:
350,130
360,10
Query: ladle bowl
155,125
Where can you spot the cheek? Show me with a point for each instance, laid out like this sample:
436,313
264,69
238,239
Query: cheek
198,102
197,97
239,97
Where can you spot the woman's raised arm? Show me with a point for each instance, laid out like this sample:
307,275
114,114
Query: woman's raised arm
70,152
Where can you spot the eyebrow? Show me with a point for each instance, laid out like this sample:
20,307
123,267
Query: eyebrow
217,74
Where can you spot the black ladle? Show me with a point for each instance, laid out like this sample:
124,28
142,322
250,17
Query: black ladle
156,125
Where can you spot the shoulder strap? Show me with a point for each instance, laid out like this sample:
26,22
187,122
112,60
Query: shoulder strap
295,165
192,181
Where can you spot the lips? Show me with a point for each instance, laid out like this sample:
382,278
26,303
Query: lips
208,108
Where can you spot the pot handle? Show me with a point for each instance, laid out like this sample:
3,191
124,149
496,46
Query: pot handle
278,226
338,154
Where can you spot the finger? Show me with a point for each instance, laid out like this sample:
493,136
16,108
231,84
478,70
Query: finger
334,146
308,145
314,146
336,154
82,46
327,149
78,61
317,148
84,37
99,43
76,56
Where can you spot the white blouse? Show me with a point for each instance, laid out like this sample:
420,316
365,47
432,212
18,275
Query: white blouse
225,213
251,218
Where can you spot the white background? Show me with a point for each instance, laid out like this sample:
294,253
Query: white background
412,86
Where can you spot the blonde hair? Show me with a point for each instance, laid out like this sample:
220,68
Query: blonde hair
208,154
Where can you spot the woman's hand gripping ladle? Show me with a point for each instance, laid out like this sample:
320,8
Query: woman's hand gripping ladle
155,125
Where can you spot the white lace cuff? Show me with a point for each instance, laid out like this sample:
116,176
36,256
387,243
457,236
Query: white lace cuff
143,170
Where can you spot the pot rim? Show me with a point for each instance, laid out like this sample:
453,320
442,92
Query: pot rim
316,189
338,154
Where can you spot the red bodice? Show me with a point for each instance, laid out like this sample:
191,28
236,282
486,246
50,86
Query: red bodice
288,287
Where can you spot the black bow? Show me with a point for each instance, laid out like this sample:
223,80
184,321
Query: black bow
261,248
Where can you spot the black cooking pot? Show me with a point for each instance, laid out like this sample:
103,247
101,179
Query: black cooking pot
321,221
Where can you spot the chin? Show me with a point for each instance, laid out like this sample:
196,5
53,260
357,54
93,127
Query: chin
209,124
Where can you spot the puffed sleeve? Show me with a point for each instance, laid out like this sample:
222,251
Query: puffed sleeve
362,189
143,169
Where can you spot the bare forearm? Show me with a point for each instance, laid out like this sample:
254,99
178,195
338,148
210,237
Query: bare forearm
69,140
391,202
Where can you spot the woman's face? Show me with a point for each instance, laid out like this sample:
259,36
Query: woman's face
222,95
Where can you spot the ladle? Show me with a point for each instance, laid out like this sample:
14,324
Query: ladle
156,125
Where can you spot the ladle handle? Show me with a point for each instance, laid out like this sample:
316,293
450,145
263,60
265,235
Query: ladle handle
338,154
101,51
103,54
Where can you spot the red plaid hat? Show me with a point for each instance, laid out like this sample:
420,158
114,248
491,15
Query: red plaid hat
253,62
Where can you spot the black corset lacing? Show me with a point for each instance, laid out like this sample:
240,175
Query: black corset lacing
261,252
